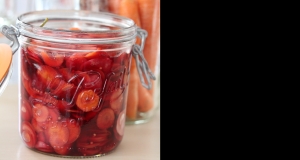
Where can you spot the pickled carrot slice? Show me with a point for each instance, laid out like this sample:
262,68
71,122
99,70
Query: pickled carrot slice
91,140
44,147
74,129
59,87
63,150
104,64
116,100
57,134
41,137
28,134
40,112
75,29
87,100
89,151
67,73
95,80
37,125
111,145
52,59
53,115
105,118
46,74
95,54
100,137
33,55
26,111
63,106
75,60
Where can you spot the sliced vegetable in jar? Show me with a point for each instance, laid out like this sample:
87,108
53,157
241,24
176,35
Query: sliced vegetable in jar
87,100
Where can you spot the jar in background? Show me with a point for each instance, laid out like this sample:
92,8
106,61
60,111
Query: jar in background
5,65
90,5
142,103
74,75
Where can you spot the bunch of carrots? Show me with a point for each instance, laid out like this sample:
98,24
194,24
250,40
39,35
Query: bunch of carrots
146,14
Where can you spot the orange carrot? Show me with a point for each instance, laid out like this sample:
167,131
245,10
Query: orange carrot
150,21
5,60
132,98
74,29
129,9
146,14
113,6
146,101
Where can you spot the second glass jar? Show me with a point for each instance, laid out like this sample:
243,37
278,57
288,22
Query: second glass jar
142,103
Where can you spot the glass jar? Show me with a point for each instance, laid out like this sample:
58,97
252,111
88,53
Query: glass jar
5,65
90,5
142,103
74,76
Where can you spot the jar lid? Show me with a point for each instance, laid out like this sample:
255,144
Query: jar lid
5,62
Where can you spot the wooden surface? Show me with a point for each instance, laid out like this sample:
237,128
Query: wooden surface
140,142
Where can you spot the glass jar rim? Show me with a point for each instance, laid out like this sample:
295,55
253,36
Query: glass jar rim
124,29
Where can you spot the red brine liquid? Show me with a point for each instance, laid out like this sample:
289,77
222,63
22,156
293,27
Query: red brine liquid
73,102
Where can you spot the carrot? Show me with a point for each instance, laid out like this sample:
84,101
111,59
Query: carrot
150,21
146,101
146,14
5,59
132,98
149,11
113,6
129,9
74,29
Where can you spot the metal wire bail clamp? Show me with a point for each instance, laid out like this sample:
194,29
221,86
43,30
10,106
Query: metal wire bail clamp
141,63
12,33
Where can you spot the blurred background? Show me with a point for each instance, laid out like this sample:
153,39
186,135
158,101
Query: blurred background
11,9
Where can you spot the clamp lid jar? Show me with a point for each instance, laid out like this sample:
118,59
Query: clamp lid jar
5,65
74,73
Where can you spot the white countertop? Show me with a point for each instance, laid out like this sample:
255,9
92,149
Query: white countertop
140,142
